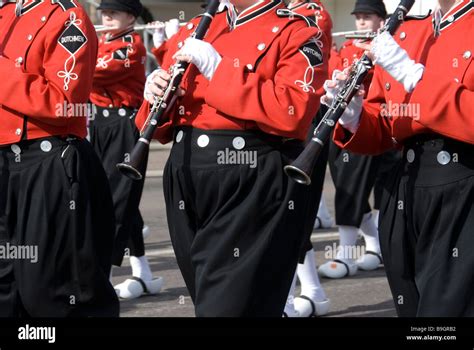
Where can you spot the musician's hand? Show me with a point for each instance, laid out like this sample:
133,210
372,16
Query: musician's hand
171,27
367,46
351,116
158,33
201,54
386,52
156,84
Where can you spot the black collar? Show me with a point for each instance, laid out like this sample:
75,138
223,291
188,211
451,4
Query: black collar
256,10
441,22
309,4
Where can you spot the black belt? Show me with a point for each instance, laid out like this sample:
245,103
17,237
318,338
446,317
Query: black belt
199,147
27,152
106,115
434,159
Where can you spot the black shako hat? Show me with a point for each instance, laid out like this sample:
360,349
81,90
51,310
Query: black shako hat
131,6
370,6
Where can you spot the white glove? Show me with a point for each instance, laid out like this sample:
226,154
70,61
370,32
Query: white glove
159,37
396,62
351,116
149,80
171,27
202,55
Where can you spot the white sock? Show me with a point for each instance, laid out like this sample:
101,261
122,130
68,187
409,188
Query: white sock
141,268
347,240
290,306
370,233
323,211
376,218
308,276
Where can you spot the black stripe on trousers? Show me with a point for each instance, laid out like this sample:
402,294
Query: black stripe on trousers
59,202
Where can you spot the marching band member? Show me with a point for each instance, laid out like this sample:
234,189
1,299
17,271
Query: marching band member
53,190
247,102
354,175
421,101
117,93
313,300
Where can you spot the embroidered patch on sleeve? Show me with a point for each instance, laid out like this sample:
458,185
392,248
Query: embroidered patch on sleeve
312,53
71,39
121,54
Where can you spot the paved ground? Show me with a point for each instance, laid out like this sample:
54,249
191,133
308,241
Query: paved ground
363,295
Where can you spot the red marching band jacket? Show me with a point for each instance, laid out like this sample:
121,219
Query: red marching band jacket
47,59
271,67
119,76
442,101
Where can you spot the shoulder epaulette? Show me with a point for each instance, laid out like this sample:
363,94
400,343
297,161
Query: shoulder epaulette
65,4
290,14
417,17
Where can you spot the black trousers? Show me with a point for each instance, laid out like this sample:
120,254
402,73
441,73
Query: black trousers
236,227
387,163
426,229
113,135
54,197
354,177
315,190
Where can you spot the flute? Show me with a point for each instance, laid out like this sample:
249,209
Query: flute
352,32
102,28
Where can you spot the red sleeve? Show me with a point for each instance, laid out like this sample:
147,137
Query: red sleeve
374,134
67,73
446,106
160,52
119,64
334,62
283,105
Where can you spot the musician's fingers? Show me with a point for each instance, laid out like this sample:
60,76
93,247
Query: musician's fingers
330,84
163,75
363,45
368,49
335,73
182,57
156,24
160,82
181,92
161,78
156,90
326,100
341,76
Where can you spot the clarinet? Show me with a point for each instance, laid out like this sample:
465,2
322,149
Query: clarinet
138,157
301,169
